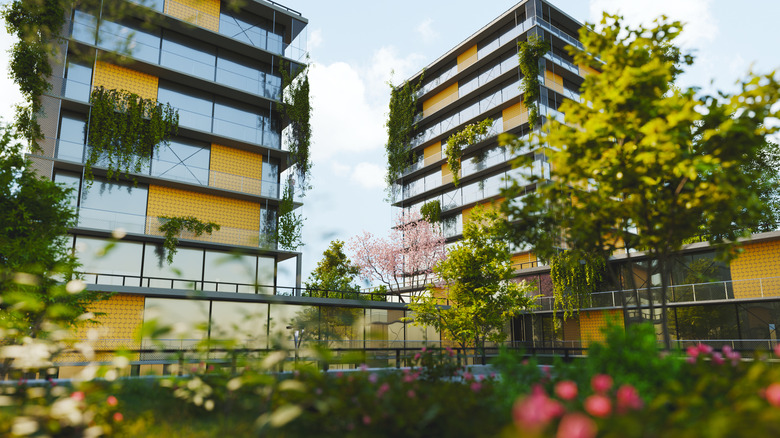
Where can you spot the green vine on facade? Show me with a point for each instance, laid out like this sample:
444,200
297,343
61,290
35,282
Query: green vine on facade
36,26
125,129
431,211
575,276
530,53
295,109
469,135
400,125
289,231
173,226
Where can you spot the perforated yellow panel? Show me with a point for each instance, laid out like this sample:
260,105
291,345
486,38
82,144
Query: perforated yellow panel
446,174
203,13
234,213
756,272
523,260
571,331
234,169
553,81
114,77
592,322
467,58
493,205
585,70
514,115
440,100
432,153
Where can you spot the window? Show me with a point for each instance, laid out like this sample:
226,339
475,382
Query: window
70,144
188,56
78,83
183,160
111,205
195,108
103,266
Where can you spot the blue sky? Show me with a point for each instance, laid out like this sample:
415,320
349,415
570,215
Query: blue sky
356,46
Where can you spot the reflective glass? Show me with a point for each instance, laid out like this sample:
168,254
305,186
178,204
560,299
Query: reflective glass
188,319
113,205
266,274
472,192
195,108
238,121
185,272
304,319
71,139
493,185
109,266
245,28
84,27
242,73
183,160
433,180
79,80
130,40
384,328
188,56
226,272
71,180
451,199
246,323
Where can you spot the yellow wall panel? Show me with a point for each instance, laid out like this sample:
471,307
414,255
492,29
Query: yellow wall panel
759,260
235,169
585,70
493,205
553,81
114,77
571,332
239,220
523,260
592,322
432,153
446,174
467,58
514,115
203,13
440,100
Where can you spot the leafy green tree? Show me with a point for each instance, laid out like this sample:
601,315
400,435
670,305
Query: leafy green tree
334,276
641,163
477,278
37,281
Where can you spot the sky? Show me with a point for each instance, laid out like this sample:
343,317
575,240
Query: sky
356,47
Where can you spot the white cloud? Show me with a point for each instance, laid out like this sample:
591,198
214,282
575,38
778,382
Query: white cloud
696,15
426,31
369,175
340,169
315,39
11,94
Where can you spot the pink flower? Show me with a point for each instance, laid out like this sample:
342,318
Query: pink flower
536,410
382,390
601,383
411,394
704,348
717,358
467,376
118,417
373,378
598,405
772,394
476,386
690,359
424,349
417,356
449,351
78,396
628,399
409,378
339,374
566,390
576,425
366,420
111,400
777,350
726,350
363,367
692,351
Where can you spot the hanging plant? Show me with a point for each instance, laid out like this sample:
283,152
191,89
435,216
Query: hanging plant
469,135
575,276
290,228
124,130
431,211
296,112
173,226
400,125
530,53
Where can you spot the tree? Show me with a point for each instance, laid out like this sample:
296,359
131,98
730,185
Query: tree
37,280
477,277
334,275
412,249
642,164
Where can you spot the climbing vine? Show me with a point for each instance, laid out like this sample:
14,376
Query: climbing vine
467,136
296,111
431,211
173,226
575,276
530,53
125,129
400,125
290,228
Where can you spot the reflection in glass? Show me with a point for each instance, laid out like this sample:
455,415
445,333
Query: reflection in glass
183,160
384,328
246,323
188,320
70,145
122,259
185,272
224,272
113,205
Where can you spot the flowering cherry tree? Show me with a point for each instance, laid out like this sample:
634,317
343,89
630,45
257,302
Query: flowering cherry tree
411,250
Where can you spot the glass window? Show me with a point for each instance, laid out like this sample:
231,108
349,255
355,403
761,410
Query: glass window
238,121
111,205
270,183
183,160
246,323
384,328
266,274
78,83
188,319
304,319
71,180
188,56
433,180
84,27
70,145
451,199
493,185
472,192
224,272
268,228
129,39
242,73
244,28
195,108
185,272
119,265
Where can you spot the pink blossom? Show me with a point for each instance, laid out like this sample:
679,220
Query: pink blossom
111,400
536,410
78,396
382,390
467,376
704,348
598,405
546,370
576,425
424,349
409,378
118,417
628,399
411,394
476,386
373,378
717,358
690,359
772,394
777,350
601,383
726,350
692,351
363,367
566,390
449,351
339,374
417,356
366,420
